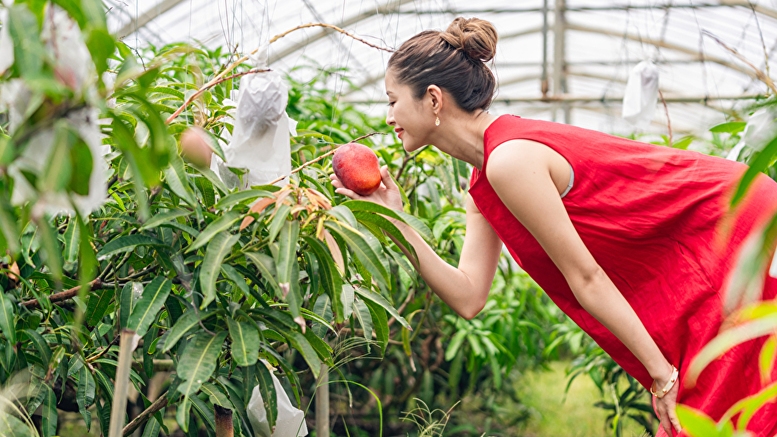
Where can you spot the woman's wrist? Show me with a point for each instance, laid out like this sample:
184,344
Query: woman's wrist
662,373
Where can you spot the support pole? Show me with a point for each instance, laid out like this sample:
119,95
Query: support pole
544,78
127,344
322,403
559,60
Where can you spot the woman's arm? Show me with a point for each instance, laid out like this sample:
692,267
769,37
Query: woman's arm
464,288
519,172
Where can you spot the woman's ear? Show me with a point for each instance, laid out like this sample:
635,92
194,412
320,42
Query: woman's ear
436,97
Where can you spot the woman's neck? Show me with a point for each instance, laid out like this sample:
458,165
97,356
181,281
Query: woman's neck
461,136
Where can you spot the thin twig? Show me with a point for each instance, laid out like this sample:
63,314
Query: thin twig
758,73
329,153
668,121
143,417
105,350
208,86
62,295
218,79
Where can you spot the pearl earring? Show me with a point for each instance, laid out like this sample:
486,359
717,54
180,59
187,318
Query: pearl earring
437,121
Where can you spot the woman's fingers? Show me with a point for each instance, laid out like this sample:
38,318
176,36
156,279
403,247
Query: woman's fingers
388,181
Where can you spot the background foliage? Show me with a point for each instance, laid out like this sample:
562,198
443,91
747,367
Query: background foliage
217,282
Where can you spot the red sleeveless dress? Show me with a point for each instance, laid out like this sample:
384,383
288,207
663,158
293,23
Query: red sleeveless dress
650,216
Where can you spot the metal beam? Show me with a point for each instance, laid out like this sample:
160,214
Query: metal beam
390,7
595,99
723,3
659,43
750,5
147,17
607,99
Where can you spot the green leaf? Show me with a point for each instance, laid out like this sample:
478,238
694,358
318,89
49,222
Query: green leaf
185,323
266,266
40,344
332,281
731,127
766,358
379,323
49,413
346,298
244,197
151,302
455,344
301,344
7,318
216,227
152,428
269,395
130,294
82,162
71,242
178,181
364,317
59,167
217,395
277,222
127,243
218,248
85,394
696,423
164,217
182,413
385,225
51,248
380,300
726,340
287,251
245,342
758,163
361,249
28,49
214,179
101,45
198,362
10,426
8,226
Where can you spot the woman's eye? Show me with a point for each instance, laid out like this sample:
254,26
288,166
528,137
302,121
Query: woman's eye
390,103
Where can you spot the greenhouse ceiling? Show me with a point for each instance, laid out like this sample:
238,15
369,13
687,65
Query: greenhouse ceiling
707,52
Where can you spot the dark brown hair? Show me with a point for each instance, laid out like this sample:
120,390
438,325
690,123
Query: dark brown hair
454,60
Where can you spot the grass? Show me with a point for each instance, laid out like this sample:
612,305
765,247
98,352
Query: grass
542,392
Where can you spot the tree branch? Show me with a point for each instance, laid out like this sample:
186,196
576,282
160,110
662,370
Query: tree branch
143,417
63,295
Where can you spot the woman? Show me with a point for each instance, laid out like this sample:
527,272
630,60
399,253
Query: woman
622,235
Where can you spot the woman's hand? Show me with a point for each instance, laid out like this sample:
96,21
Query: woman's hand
387,194
666,407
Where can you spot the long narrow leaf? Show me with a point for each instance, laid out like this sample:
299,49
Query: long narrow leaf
218,248
151,302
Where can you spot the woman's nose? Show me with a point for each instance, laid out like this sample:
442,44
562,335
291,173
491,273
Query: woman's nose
390,117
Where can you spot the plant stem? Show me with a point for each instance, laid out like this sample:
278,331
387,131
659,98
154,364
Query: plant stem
63,295
331,152
143,417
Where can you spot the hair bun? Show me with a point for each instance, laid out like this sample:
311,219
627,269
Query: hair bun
475,37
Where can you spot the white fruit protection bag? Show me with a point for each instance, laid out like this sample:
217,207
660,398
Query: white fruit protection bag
290,421
639,99
73,68
259,143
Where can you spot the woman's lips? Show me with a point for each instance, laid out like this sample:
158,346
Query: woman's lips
399,132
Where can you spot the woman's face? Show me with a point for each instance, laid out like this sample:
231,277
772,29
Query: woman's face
412,119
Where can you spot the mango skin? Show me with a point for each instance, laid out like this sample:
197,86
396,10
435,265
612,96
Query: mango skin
357,168
195,148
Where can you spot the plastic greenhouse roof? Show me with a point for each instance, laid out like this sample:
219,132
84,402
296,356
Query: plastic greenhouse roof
701,80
